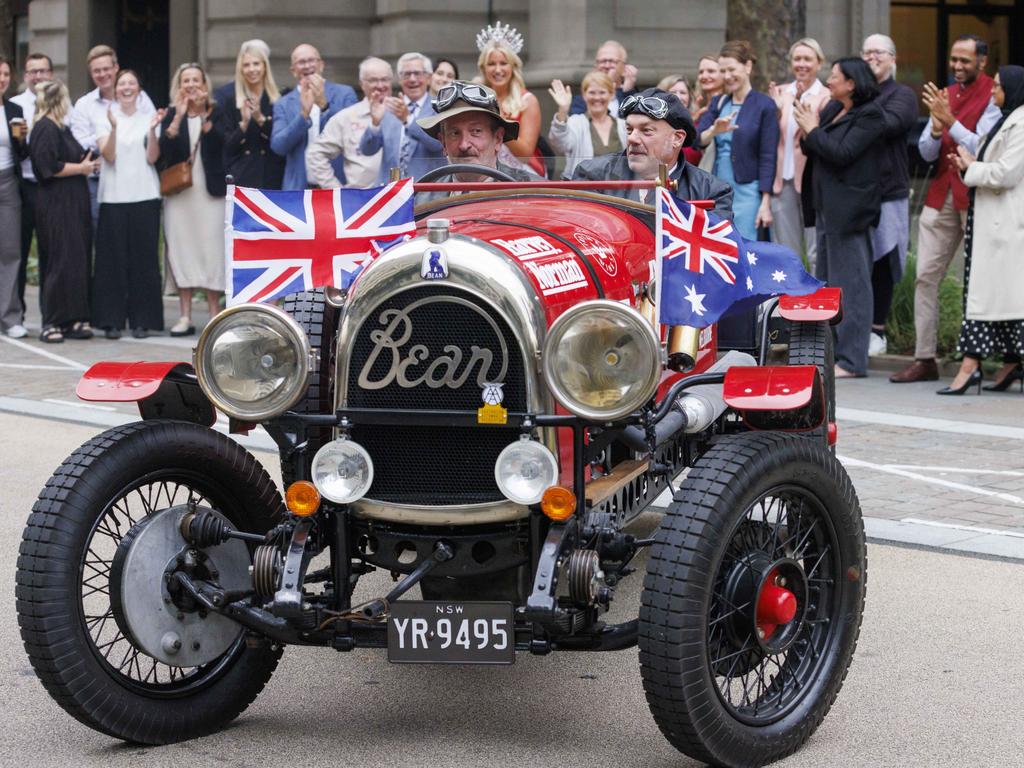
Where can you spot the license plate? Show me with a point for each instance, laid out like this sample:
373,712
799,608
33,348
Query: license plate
421,632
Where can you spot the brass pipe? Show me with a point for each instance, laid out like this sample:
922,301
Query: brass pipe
683,343
396,174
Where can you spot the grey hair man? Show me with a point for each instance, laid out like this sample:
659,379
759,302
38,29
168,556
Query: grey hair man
612,59
891,238
343,133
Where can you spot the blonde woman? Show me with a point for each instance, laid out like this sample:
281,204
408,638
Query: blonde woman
710,83
501,69
194,217
595,133
805,61
247,111
63,217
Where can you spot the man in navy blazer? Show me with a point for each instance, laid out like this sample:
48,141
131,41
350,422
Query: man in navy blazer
393,124
301,115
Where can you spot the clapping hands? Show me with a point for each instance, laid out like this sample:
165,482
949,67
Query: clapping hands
806,117
937,102
962,158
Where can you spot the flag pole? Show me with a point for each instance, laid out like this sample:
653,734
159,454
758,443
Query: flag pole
683,340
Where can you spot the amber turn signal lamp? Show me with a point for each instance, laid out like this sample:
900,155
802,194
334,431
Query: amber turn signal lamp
558,503
302,498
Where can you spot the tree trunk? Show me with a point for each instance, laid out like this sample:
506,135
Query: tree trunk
770,26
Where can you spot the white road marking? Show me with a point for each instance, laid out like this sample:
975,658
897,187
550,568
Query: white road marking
31,367
957,470
851,462
957,527
77,404
68,362
932,425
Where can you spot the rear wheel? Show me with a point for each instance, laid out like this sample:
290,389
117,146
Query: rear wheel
320,322
812,344
753,600
72,584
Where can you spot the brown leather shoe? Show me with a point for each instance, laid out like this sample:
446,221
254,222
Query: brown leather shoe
919,370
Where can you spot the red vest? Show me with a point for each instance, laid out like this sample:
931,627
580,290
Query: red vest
968,105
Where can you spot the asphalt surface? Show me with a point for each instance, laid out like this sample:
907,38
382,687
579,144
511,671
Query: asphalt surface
936,679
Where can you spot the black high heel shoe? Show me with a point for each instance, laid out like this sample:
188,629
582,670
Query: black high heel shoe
974,380
1015,374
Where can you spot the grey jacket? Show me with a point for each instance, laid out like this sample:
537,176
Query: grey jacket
694,184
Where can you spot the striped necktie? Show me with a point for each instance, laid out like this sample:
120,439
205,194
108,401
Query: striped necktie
405,152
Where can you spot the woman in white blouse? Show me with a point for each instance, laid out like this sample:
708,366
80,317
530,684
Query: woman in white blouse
592,134
126,277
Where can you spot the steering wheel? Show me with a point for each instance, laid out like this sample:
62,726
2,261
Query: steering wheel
451,170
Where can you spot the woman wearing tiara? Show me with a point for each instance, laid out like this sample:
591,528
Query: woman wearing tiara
502,70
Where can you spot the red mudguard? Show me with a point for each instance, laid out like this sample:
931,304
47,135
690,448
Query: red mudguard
166,390
823,304
788,397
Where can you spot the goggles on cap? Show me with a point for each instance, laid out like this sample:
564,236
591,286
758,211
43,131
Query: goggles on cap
471,93
652,106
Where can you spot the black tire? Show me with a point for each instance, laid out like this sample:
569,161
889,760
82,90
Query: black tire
699,644
812,344
63,580
320,322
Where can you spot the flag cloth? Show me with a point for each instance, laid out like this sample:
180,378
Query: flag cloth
706,270
284,241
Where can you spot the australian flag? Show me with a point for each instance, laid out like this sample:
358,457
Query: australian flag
707,269
281,242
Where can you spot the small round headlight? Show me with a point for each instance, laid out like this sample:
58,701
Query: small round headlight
342,471
253,361
602,360
524,470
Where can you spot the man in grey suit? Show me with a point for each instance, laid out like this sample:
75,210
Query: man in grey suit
393,124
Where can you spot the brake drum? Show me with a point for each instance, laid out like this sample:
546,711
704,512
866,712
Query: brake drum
142,605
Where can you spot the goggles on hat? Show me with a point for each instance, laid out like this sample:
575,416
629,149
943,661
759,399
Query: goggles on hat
652,106
471,93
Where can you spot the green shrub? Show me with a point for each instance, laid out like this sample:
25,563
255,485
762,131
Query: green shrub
900,327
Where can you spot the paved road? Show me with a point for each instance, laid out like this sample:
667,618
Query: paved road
936,679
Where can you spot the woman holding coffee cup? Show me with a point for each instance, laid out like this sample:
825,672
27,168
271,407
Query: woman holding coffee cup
12,152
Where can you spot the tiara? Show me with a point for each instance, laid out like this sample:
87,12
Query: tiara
503,34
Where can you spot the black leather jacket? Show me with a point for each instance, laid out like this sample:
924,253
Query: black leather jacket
694,184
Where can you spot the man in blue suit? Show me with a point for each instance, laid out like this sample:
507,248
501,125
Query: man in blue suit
301,115
393,124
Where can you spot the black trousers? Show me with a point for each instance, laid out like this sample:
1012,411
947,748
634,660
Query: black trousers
126,272
28,228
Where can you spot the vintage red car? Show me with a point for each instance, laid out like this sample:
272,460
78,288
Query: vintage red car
482,414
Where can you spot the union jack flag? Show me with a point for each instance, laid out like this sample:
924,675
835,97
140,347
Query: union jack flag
281,242
706,269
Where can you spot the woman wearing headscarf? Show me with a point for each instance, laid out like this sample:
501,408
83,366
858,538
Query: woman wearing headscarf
994,281
843,148
247,109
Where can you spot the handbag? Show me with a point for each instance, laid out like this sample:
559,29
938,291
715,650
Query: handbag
178,177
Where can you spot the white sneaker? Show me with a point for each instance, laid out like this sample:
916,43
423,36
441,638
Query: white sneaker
877,345
17,331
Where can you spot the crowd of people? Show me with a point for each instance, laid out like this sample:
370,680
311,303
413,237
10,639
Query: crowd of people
821,167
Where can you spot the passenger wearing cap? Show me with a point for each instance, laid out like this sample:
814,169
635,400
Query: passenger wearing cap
658,126
469,125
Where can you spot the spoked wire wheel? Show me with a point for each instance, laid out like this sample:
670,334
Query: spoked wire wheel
127,663
68,594
753,599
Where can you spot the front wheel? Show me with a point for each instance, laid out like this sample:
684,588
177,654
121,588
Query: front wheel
753,599
116,489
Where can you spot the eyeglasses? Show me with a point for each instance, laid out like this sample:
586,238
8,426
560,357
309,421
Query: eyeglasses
410,74
38,71
876,54
377,81
471,93
603,62
652,106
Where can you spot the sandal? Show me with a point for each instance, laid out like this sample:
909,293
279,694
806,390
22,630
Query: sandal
80,330
51,335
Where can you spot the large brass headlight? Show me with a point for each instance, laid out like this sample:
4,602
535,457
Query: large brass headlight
253,361
602,360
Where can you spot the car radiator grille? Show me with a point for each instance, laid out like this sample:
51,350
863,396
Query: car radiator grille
432,465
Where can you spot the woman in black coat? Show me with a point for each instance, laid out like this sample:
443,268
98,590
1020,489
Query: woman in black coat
844,147
247,112
194,217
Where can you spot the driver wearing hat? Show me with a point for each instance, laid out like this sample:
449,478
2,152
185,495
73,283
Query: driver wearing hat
658,126
468,123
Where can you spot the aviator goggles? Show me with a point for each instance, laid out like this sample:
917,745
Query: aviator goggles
652,106
471,93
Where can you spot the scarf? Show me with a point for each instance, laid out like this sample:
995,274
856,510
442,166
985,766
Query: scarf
1011,78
